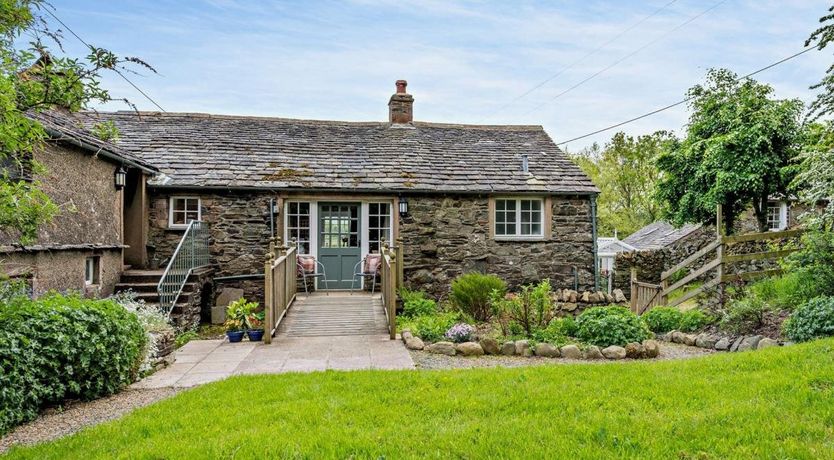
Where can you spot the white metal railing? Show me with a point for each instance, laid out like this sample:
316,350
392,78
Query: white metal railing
192,252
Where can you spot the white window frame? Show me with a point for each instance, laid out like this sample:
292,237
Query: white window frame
783,215
92,270
312,228
389,228
171,200
518,235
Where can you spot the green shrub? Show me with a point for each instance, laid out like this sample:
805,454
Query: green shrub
614,325
430,328
531,308
785,292
558,332
694,320
812,320
663,319
64,347
471,294
184,338
415,303
813,265
744,316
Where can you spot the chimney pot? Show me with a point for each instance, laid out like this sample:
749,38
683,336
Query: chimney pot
400,107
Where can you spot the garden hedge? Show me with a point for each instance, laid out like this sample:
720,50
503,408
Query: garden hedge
63,347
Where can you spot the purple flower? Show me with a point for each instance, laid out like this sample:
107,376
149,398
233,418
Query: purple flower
460,332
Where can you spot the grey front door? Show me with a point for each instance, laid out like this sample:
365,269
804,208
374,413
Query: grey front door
339,248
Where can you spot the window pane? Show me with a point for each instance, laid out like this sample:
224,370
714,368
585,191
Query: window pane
293,208
535,205
525,205
537,229
304,208
500,229
373,208
192,204
510,205
510,229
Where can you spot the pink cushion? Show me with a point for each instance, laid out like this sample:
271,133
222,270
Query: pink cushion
307,264
372,263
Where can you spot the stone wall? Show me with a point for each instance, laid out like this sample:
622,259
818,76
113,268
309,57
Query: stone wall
64,270
239,234
445,236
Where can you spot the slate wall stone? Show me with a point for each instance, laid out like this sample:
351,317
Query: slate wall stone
446,236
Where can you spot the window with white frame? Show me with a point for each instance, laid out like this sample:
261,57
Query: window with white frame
92,268
777,215
379,225
519,217
298,225
182,211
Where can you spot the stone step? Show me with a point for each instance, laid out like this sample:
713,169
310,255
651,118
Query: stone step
141,276
150,287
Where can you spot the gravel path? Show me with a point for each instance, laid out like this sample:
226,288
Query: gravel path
54,423
425,360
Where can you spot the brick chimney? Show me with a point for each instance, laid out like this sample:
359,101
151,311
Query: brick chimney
401,105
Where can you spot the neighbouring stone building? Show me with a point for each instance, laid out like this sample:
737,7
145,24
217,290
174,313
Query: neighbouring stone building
98,188
456,198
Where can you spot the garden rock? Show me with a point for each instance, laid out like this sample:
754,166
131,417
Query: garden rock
547,350
652,348
735,345
586,297
508,348
706,341
749,343
676,336
634,350
766,343
593,352
689,339
571,352
490,346
414,343
522,348
469,349
614,352
406,334
619,297
442,348
569,306
723,344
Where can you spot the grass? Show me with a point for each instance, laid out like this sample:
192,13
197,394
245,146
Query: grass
775,403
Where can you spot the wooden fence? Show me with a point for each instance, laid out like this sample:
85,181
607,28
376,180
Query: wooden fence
645,295
281,270
391,272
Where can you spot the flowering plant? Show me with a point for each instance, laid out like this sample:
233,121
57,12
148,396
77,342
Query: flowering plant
460,332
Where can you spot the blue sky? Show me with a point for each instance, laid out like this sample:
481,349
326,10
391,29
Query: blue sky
464,60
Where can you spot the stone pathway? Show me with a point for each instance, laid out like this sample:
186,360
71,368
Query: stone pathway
204,361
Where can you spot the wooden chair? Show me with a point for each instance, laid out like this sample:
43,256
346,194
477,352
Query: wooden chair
369,267
309,267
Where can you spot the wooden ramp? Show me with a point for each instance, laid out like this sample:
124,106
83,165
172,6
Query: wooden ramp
336,313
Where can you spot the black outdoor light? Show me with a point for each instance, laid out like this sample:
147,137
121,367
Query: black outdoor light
120,178
403,206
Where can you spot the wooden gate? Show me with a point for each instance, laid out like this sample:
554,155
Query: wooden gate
280,273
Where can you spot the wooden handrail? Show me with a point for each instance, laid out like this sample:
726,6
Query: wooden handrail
280,286
686,262
732,239
390,275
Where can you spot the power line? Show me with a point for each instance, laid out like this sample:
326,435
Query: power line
618,61
580,60
684,101
118,72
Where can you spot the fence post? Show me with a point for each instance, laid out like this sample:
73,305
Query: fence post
268,300
634,293
719,251
392,294
400,265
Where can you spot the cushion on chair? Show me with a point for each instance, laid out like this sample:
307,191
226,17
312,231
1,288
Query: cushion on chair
372,263
307,264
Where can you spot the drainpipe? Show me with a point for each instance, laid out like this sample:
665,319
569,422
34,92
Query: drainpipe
593,200
272,217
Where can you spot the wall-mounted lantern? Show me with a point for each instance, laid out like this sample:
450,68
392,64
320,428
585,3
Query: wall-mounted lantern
120,178
403,206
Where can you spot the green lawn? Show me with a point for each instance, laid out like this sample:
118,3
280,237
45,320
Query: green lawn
776,403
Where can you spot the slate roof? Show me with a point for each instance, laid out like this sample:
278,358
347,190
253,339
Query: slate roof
63,127
659,235
224,151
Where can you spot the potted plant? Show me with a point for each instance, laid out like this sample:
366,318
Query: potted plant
255,326
234,330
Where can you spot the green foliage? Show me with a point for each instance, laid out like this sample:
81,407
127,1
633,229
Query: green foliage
415,303
813,264
64,347
639,410
814,182
663,319
822,37
13,290
241,315
531,309
744,316
614,325
737,151
626,174
812,320
471,294
106,131
694,320
184,338
430,328
35,76
784,292
558,332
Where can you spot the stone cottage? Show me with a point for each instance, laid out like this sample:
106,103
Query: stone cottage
101,227
456,198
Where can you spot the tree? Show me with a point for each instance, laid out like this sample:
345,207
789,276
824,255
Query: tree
737,152
36,77
822,37
626,175
814,182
